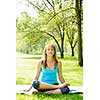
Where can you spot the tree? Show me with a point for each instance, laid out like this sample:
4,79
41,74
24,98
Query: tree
54,29
78,6
71,32
28,36
51,8
53,17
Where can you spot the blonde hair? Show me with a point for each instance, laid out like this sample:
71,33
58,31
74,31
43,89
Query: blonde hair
44,61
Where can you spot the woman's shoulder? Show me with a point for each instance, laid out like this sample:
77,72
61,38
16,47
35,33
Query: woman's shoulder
40,62
59,63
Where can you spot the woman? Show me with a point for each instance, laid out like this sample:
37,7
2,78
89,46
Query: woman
48,68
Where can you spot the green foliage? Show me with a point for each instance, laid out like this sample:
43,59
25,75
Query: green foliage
56,23
28,35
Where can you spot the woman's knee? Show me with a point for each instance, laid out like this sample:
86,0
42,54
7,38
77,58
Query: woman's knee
65,90
36,84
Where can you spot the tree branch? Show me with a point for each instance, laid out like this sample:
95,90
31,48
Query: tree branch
30,2
46,5
59,29
75,43
53,3
55,14
54,39
50,4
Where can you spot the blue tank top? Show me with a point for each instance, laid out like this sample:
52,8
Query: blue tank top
49,75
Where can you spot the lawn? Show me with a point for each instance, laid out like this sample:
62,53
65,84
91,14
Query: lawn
26,68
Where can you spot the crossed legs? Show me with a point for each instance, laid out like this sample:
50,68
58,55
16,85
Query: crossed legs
49,86
54,89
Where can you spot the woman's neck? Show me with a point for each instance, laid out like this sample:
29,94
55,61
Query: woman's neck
51,63
50,59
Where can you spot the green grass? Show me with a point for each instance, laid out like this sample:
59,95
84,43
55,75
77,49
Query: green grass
50,97
26,68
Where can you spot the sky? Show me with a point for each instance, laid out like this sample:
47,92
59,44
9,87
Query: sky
21,5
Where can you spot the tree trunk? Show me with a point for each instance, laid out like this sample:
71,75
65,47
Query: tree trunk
72,51
62,34
62,44
78,12
62,48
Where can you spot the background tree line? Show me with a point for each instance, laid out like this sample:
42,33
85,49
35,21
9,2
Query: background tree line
58,21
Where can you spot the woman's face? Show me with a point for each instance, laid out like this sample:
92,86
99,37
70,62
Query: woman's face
50,51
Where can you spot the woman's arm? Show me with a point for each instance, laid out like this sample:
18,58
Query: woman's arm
60,76
39,67
36,76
